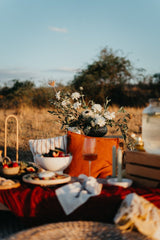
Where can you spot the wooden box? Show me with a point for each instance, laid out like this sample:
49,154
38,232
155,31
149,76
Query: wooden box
143,168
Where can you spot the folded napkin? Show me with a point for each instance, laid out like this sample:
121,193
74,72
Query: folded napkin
73,195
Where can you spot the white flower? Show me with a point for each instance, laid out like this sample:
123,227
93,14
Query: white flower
99,120
81,88
65,103
109,115
87,113
75,96
97,108
58,95
71,109
76,105
113,115
93,123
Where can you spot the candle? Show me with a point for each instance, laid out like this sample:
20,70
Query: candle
119,159
114,161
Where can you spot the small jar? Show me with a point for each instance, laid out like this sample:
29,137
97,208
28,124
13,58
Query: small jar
139,145
151,126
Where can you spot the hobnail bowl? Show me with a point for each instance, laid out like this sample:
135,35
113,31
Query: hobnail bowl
55,164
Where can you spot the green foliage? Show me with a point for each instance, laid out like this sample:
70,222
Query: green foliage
104,74
15,95
71,110
24,94
133,95
112,76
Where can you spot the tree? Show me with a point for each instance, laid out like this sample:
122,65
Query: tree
103,75
26,85
16,95
156,77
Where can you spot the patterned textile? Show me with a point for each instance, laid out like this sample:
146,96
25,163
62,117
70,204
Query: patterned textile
41,146
40,204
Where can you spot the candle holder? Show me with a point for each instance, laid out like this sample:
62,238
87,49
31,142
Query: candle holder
117,168
125,182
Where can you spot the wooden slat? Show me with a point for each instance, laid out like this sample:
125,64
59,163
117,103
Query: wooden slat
143,171
141,182
142,158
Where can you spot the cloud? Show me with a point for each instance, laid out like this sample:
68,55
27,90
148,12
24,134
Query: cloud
55,29
39,77
64,70
7,75
27,74
15,73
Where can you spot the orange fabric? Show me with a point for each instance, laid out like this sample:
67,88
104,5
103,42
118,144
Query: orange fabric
101,167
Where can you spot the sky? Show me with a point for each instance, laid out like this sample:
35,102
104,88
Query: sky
45,40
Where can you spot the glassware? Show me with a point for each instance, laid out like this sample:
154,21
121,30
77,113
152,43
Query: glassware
89,151
151,126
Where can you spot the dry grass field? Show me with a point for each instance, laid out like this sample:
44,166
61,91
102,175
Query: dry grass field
38,123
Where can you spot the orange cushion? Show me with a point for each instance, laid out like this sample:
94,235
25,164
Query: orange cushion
101,167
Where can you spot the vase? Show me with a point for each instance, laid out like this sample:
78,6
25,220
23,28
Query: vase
96,132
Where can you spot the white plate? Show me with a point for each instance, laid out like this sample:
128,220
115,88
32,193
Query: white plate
28,179
124,183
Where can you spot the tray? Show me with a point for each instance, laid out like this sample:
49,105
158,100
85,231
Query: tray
28,179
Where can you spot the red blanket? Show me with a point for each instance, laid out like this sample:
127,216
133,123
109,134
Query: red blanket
41,205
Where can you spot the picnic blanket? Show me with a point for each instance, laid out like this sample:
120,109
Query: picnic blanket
40,204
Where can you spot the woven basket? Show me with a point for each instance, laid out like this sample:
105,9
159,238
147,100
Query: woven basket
79,230
11,171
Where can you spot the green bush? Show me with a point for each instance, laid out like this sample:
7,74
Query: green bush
26,94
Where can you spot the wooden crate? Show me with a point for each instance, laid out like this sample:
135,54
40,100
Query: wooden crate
143,168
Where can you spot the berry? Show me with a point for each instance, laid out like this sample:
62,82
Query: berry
15,164
61,154
5,166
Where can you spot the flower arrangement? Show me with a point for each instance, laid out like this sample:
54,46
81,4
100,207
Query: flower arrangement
72,110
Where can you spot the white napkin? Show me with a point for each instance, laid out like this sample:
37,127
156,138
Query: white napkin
73,195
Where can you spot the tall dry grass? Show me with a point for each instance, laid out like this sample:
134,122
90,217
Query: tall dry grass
38,123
